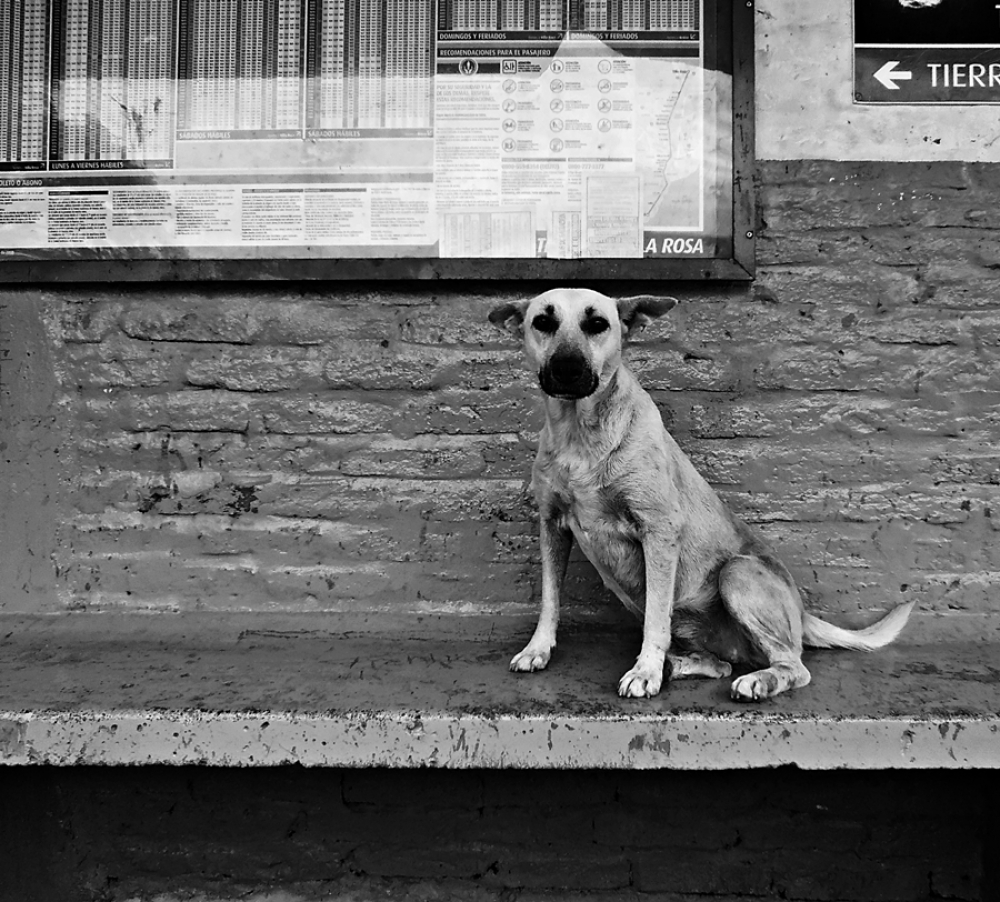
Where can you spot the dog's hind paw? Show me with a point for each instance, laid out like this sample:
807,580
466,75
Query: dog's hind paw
698,664
754,686
640,682
767,683
530,659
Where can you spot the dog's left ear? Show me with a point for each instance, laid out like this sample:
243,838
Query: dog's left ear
510,317
637,312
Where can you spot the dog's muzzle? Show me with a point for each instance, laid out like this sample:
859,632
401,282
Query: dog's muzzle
567,375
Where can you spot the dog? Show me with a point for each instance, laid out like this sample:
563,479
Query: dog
607,473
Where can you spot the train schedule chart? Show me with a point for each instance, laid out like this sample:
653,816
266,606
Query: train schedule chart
560,129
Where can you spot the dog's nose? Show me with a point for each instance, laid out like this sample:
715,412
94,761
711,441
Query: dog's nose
568,368
568,374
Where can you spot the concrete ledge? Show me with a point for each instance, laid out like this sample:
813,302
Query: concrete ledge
434,691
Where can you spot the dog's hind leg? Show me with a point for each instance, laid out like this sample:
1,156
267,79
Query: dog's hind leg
762,598
697,664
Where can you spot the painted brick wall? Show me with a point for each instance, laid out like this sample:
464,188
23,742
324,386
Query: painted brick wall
199,834
304,447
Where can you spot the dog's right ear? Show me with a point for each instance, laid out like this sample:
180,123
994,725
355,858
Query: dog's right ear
510,317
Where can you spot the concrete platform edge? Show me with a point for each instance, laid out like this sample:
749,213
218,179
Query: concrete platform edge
411,740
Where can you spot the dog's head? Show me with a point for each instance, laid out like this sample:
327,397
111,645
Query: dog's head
573,336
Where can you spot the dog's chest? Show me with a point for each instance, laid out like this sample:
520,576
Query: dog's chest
588,501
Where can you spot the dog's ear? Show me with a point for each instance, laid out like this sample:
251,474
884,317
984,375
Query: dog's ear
638,311
510,317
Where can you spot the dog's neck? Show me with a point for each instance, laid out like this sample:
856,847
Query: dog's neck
600,419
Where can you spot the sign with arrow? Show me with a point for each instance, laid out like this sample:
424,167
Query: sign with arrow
889,74
926,51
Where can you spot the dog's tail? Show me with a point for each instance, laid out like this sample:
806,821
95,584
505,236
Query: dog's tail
820,634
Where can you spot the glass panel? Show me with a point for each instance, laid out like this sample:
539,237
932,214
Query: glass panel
350,129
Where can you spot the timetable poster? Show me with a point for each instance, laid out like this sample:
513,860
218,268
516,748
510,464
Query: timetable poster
178,129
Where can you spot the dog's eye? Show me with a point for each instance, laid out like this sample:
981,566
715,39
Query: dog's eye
545,323
595,325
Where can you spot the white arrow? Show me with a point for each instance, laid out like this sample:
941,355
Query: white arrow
888,75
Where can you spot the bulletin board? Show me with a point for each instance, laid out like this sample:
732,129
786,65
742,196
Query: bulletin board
180,139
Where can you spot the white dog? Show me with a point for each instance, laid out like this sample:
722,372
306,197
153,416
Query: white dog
609,475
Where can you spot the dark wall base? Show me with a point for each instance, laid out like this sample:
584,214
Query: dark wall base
75,834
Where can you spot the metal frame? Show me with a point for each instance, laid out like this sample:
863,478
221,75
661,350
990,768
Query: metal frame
734,48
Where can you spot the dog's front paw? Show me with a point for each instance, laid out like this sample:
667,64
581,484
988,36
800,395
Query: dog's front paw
641,682
531,658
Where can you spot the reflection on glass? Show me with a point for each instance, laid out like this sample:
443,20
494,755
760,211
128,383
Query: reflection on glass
369,64
507,15
240,66
112,80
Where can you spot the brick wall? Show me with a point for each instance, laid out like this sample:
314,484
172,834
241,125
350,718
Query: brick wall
195,834
302,447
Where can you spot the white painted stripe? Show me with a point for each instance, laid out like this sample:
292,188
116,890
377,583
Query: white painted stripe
927,46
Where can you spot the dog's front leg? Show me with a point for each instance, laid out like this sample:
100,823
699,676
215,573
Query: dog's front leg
646,677
556,542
